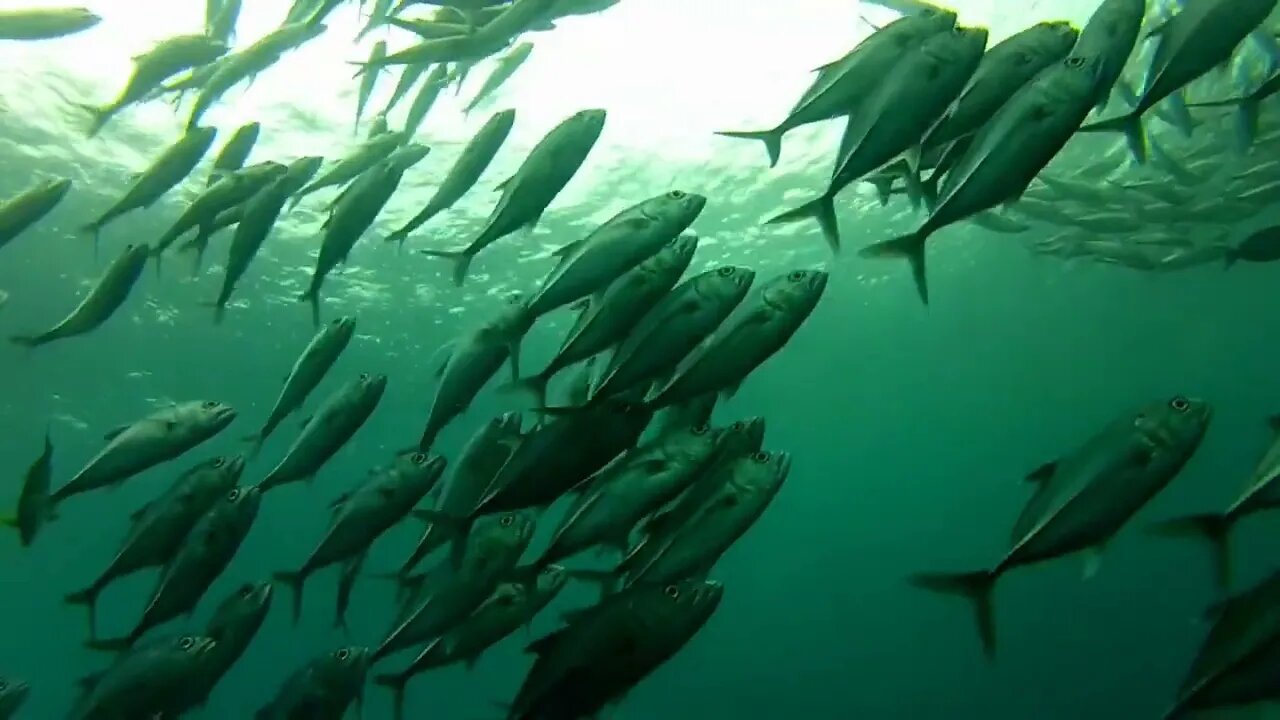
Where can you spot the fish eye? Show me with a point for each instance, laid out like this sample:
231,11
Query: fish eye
1075,62
246,590
507,520
233,495
3,686
343,654
187,642
738,426
671,591
364,376
725,271
675,195
797,275
1180,404
701,429
219,462
418,458
760,457
209,404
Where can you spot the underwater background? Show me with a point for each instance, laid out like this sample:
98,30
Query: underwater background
911,428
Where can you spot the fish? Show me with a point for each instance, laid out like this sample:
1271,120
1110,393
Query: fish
231,190
259,216
1259,247
553,458
346,585
159,527
1110,36
33,501
367,156
379,16
13,694
1005,156
512,605
154,679
222,25
45,23
353,213
673,328
687,414
613,502
604,651
301,171
608,319
425,99
322,688
481,561
205,552
526,195
470,476
370,80
503,68
467,169
233,626
1191,43
234,154
1247,108
362,515
152,68
103,300
1235,664
763,325
895,117
161,436
333,425
408,78
247,63
20,212
1084,498
308,370
845,84
1261,494
470,362
170,168
1004,69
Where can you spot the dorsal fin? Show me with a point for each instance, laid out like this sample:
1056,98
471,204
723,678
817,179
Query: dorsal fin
546,644
1043,473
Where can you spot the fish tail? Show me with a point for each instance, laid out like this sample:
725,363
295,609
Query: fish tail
1131,126
461,260
98,117
772,140
295,581
395,682
1231,257
910,247
1247,122
398,238
884,188
89,598
929,190
976,587
822,209
312,296
94,230
27,341
1210,527
534,385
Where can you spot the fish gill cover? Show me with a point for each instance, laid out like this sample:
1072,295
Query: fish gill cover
890,312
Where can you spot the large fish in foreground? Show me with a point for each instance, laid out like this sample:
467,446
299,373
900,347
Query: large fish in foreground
1084,498
604,651
324,434
154,679
145,443
525,196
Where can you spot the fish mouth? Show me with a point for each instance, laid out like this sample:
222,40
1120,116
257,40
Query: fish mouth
783,463
818,280
204,645
262,592
225,414
710,591
235,465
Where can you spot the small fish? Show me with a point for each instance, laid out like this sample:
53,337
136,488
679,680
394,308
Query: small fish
173,165
231,190
325,687
368,82
409,77
102,301
34,507
365,158
45,24
1260,247
1247,109
205,552
469,478
503,68
470,363
511,606
159,527
1082,500
152,68
27,208
324,434
526,195
258,216
222,24
234,154
361,516
151,680
762,325
247,63
604,651
307,372
379,16
161,436
426,99
233,626
466,170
